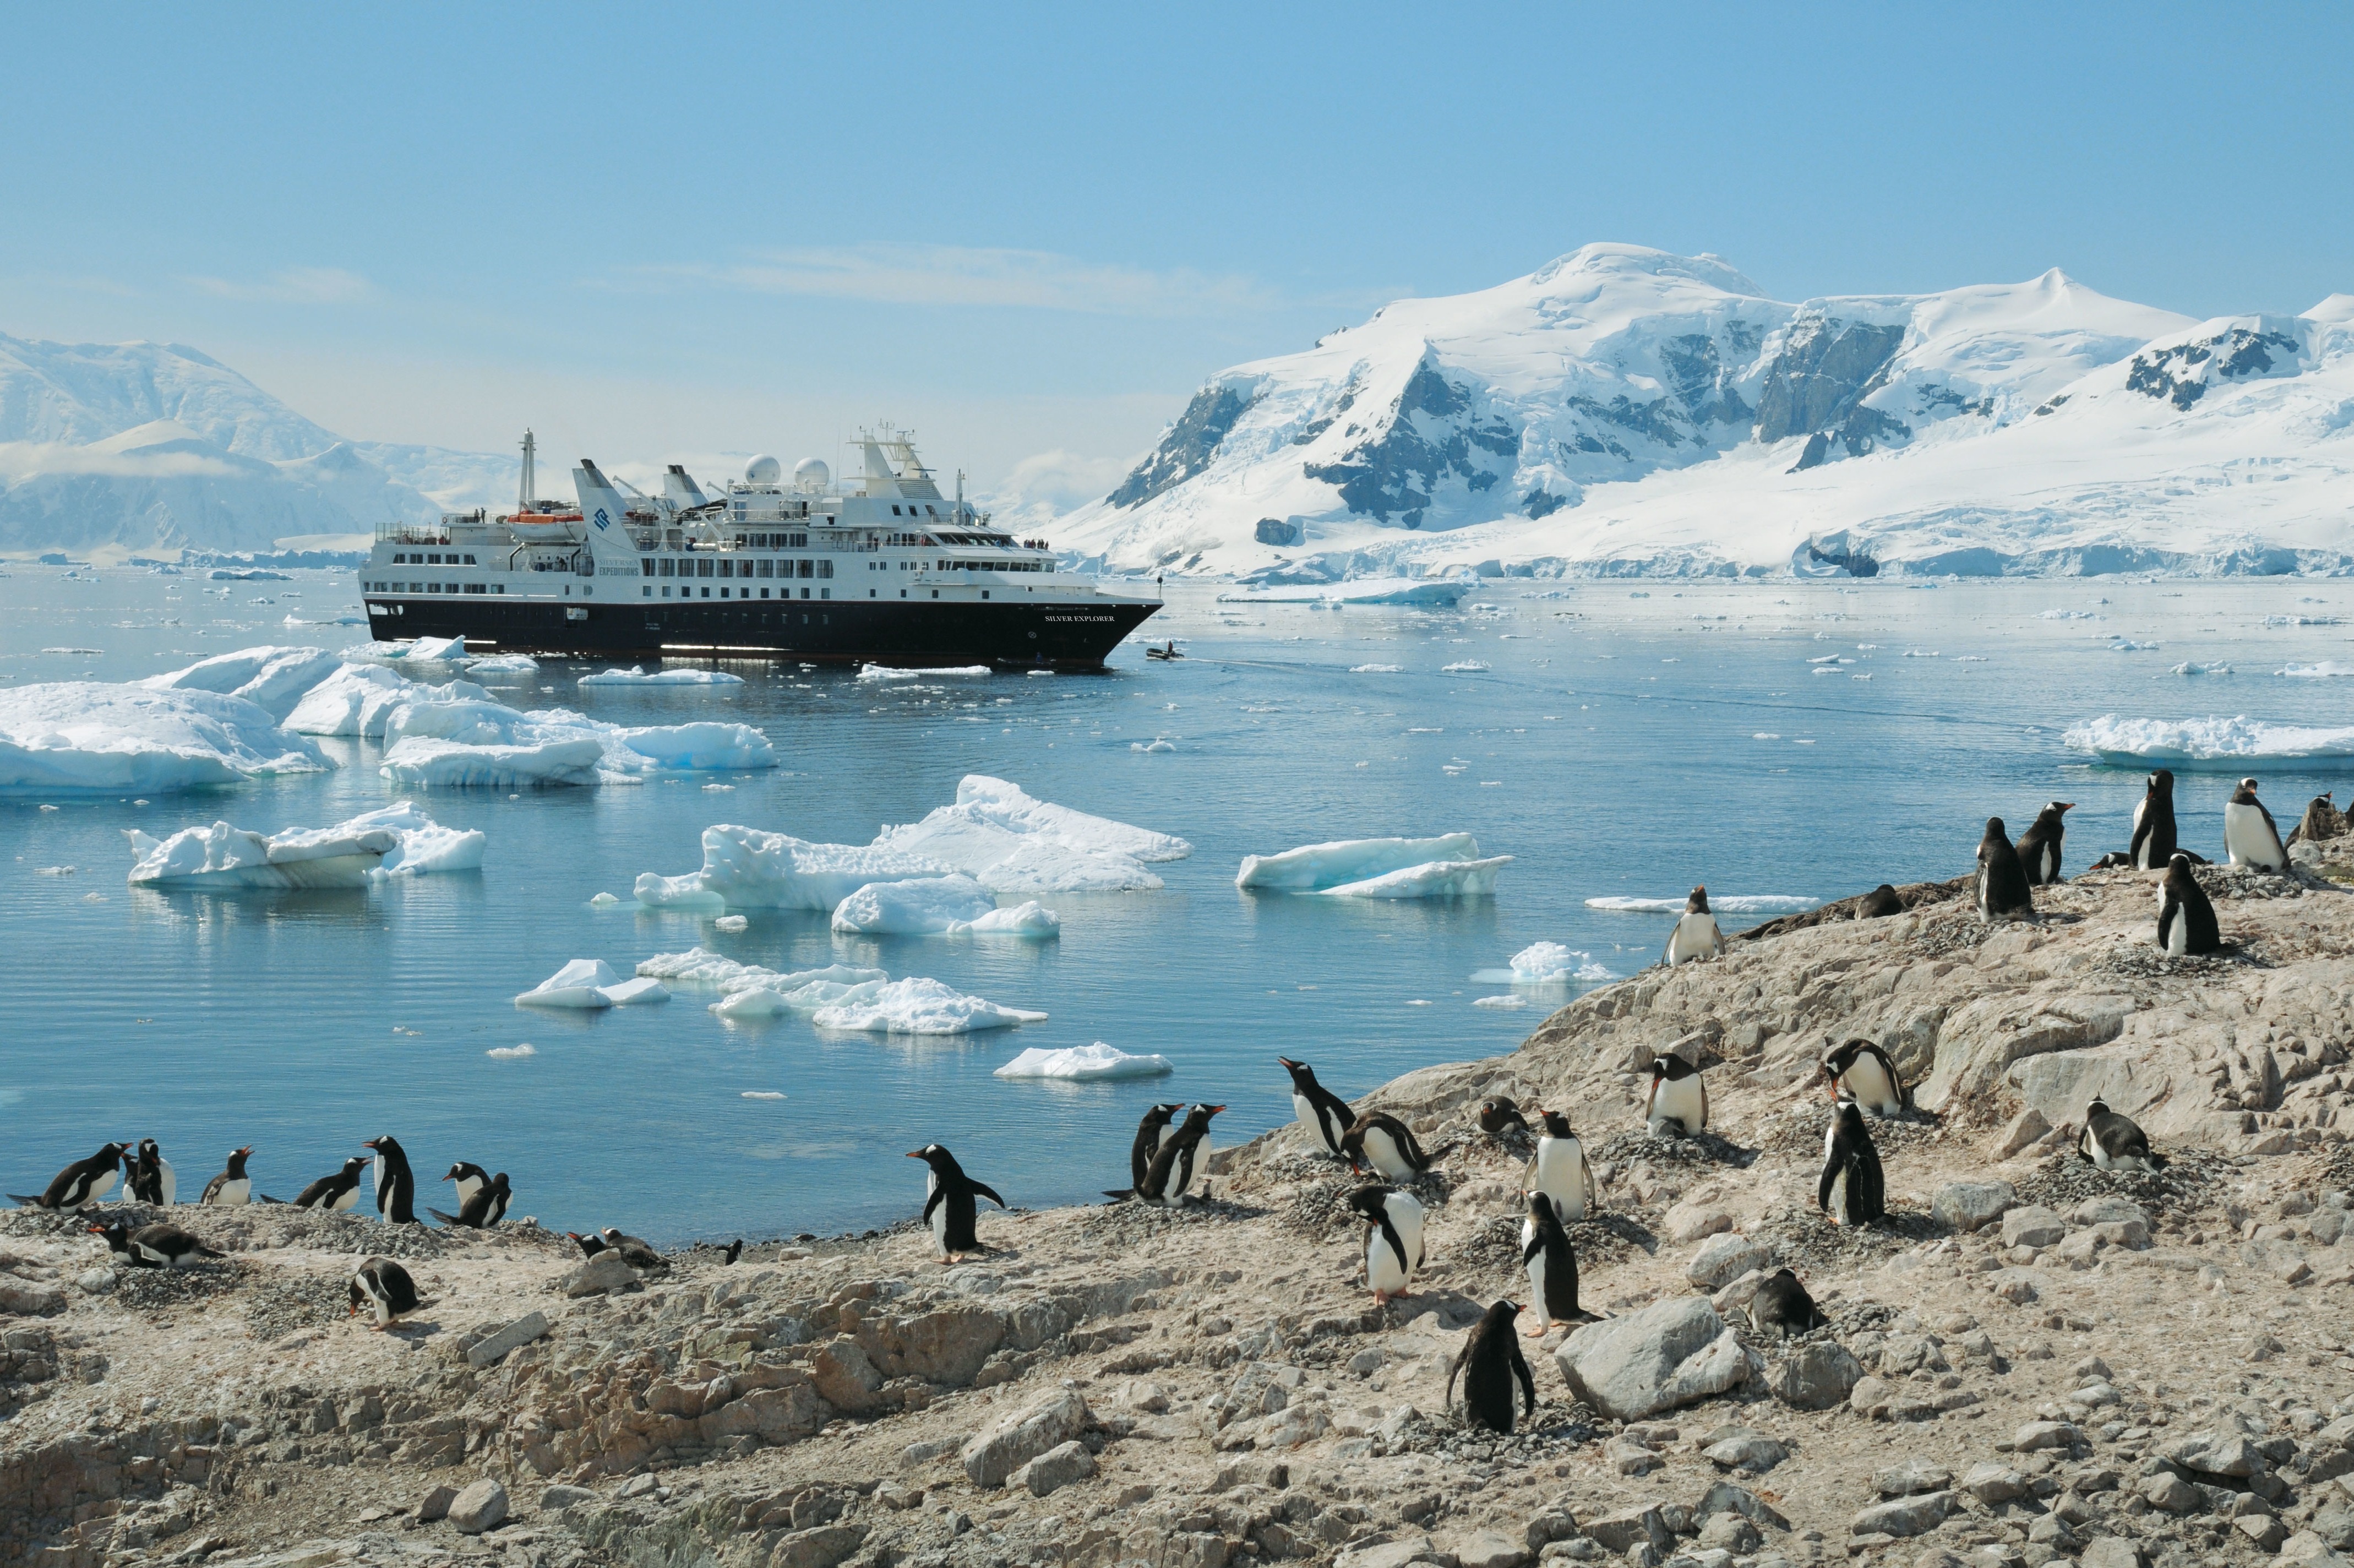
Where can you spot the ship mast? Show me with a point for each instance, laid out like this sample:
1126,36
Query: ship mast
526,501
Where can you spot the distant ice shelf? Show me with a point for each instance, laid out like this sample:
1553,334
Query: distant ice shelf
2212,743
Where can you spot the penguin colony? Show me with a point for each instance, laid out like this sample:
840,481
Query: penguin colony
1169,1157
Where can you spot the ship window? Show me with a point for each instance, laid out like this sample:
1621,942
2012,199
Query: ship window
767,568
477,588
805,593
872,594
932,511
498,588
727,568
647,592
648,566
706,593
808,568
433,560
668,567
470,560
665,593
825,568
764,593
895,512
984,593
825,593
702,569
903,593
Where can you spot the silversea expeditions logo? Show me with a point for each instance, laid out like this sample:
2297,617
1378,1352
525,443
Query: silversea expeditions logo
1078,618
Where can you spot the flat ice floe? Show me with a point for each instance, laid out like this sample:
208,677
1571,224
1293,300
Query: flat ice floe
703,968
1448,867
477,742
395,841
1732,904
746,868
591,983
1377,669
892,673
1011,842
1440,591
2210,742
495,664
920,1007
636,676
2322,671
422,651
2187,668
1078,1064
453,763
952,905
90,735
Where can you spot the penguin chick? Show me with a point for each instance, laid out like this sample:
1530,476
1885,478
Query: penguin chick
2186,919
1489,1361
2002,891
386,1289
1325,1115
2038,846
1696,936
1394,1242
1851,1191
1380,1140
2115,1142
950,1204
1783,1307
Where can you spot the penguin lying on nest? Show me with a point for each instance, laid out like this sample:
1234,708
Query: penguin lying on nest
386,1287
1499,1115
2113,1142
2186,918
1380,1140
1783,1307
1879,903
1678,1098
1489,1362
155,1246
334,1193
640,1256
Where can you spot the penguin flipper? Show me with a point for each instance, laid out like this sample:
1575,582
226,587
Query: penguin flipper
1521,1368
1823,1187
983,1190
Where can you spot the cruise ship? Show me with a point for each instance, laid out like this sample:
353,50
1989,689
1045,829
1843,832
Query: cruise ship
880,567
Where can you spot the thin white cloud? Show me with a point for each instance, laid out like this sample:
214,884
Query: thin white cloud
963,275
21,461
295,285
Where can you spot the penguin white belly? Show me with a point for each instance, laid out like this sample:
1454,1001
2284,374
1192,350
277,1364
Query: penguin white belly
2141,854
1561,1176
1866,1080
2177,934
1387,1156
1384,1271
102,1185
1678,1100
939,1212
2093,1149
467,1187
350,1197
1695,936
237,1190
383,1183
1306,1110
1405,1218
2247,840
1838,1198
170,1183
1537,1285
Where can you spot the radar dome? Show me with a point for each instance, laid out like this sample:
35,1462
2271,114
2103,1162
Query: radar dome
813,475
762,470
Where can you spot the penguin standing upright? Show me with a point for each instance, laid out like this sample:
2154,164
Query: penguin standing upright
155,1246
470,1179
1151,1133
1678,1098
1852,1192
2038,846
1695,935
232,1186
1489,1361
1551,1265
1381,1140
1783,1307
951,1208
153,1179
2153,829
1393,1242
396,1185
1863,1069
2003,881
2186,920
1323,1113
333,1194
486,1208
2115,1142
83,1181
387,1289
1177,1162
1499,1115
2251,837
1559,1172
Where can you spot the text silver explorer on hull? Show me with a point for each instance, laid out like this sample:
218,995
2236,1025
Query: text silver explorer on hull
881,567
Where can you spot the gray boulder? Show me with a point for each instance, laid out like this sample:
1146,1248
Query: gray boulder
557,1499
1057,1467
1992,1484
481,1507
1904,1516
1726,1498
1489,1549
1661,1357
1632,1526
1726,1257
2111,1552
993,1457
2033,1225
1911,1478
1814,1376
1972,1205
1751,1451
603,1272
820,1548
29,1298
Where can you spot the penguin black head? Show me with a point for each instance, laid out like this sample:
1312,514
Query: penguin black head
1198,1118
1499,1113
1371,1204
1849,1113
1556,1124
734,1250
1500,1315
387,1146
589,1246
2095,1107
1303,1076
942,1162
150,1150
1158,1115
1672,1067
1698,903
353,1166
2161,782
1542,1211
236,1159
1995,830
2246,793
463,1170
117,1235
2054,809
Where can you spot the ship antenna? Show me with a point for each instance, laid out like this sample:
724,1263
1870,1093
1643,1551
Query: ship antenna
525,500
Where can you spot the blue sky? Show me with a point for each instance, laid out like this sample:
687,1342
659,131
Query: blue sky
1030,231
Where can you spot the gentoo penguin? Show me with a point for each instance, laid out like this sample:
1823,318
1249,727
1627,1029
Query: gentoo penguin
1380,1139
2113,1142
1695,935
1488,1362
1559,1172
386,1286
1394,1240
733,1251
950,1207
153,1179
2186,920
1500,1114
639,1254
2153,834
336,1192
155,1246
470,1179
1678,1096
2038,846
2250,835
1879,903
1176,1162
83,1181
589,1244
1782,1306
486,1208
1852,1192
1321,1111
396,1185
2003,881
1151,1133
1551,1265
1863,1070
232,1186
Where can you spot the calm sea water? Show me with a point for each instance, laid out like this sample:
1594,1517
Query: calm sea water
1623,740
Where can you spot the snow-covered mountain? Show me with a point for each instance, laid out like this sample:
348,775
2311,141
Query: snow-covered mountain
157,445
1624,409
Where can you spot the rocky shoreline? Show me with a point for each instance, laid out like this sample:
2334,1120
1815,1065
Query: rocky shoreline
2028,1361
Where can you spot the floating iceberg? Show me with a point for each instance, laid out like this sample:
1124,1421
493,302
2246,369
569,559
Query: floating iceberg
476,741
1078,1063
453,763
1464,667
1030,920
1440,591
394,840
1437,879
635,676
953,906
1315,868
2323,670
423,650
2210,742
511,1053
2217,668
1506,1001
359,700
1377,669
746,868
591,983
637,992
1549,963
888,672
272,679
920,1007
700,748
1010,842
503,664
89,735
1735,904
702,968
